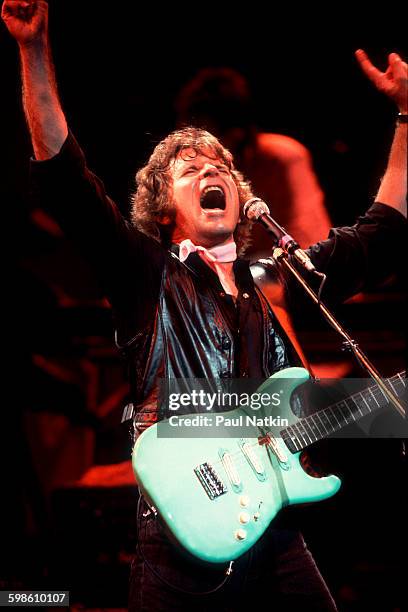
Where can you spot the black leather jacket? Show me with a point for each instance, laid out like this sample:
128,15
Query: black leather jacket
168,315
190,337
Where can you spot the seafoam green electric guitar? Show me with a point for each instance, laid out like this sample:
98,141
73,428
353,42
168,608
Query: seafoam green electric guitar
218,495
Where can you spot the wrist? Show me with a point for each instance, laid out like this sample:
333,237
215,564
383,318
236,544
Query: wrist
34,47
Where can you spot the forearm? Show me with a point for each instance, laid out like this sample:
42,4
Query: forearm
393,189
355,258
45,118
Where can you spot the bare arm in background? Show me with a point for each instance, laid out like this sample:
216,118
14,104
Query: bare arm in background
27,22
296,196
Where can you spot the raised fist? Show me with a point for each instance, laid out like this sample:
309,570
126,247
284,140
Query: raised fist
26,20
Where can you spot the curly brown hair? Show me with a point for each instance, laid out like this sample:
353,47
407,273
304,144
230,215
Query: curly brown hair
152,199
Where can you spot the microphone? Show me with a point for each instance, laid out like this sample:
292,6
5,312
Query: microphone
255,209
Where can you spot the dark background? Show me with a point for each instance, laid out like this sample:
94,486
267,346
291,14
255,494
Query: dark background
118,70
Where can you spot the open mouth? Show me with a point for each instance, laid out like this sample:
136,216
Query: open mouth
212,197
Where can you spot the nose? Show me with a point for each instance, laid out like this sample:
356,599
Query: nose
209,170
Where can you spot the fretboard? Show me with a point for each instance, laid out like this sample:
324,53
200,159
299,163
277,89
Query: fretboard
332,419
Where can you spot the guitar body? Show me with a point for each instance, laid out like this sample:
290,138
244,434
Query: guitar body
217,496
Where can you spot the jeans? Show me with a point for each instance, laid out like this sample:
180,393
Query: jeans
278,573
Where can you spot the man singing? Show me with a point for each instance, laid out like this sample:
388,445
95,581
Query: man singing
184,302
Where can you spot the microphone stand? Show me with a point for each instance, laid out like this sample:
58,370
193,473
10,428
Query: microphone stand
281,256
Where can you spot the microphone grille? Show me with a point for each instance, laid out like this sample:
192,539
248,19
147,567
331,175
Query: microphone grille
254,208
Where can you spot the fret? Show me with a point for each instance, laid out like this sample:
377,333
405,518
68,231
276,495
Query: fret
318,414
350,408
347,418
315,425
293,438
326,422
296,442
338,415
310,428
365,401
371,402
398,378
290,444
351,398
375,399
378,388
303,431
392,387
286,438
302,439
298,436
329,413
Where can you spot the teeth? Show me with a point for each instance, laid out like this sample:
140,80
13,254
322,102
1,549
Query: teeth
212,197
212,188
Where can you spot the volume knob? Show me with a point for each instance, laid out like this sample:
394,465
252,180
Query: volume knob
240,534
244,500
244,517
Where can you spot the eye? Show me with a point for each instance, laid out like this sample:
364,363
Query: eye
190,170
223,169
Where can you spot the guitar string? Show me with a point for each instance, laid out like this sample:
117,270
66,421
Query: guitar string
239,454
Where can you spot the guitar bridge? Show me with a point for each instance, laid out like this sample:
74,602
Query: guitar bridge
211,482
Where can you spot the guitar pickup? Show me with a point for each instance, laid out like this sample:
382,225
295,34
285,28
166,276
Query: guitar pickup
253,460
231,470
275,447
211,482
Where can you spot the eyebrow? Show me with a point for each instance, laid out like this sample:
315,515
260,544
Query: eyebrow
186,166
194,163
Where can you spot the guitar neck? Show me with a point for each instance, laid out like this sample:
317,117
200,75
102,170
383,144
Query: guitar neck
324,423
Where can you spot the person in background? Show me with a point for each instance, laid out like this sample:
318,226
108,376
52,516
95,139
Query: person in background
279,168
